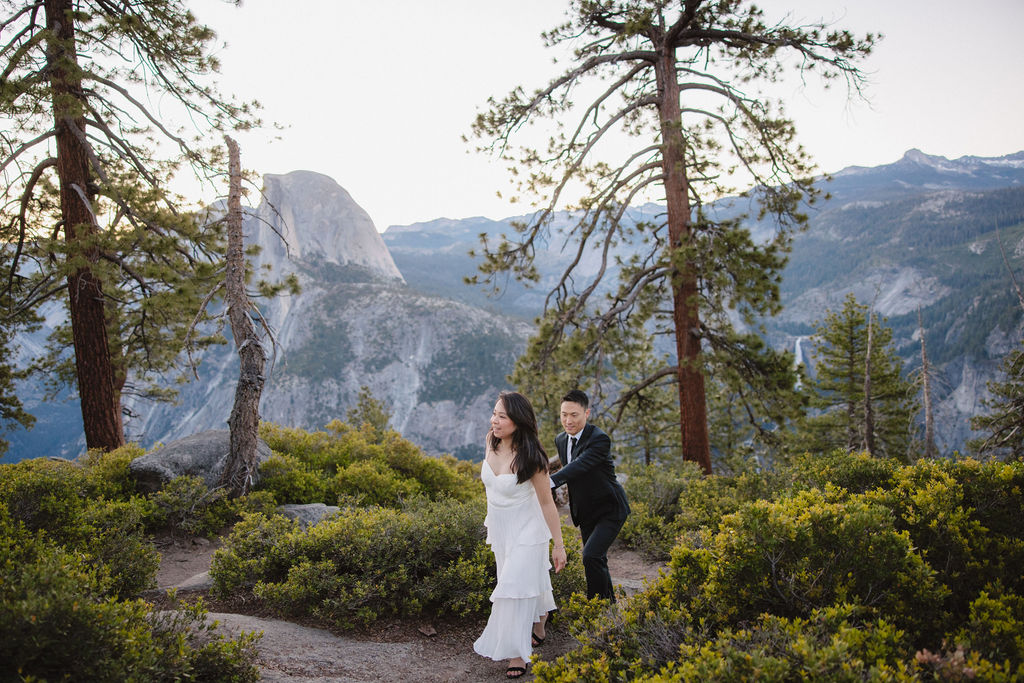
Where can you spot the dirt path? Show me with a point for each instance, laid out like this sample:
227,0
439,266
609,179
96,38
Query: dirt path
400,651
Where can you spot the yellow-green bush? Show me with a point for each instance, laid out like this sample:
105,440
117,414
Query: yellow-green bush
832,645
902,573
60,620
368,563
373,482
364,466
290,480
667,501
853,472
54,499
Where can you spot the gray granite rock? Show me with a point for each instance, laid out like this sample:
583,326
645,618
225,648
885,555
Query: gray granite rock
202,455
308,514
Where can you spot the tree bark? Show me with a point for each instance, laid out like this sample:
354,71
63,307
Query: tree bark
693,422
100,403
242,468
869,414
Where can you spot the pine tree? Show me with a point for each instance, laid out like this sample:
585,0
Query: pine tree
681,78
368,410
859,410
1003,424
85,203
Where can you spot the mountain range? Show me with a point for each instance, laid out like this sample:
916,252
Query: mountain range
390,310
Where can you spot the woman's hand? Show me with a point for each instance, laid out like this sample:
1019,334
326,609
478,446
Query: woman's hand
558,558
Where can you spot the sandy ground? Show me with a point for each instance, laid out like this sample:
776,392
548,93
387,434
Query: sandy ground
407,650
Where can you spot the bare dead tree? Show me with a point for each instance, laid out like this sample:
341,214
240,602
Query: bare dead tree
241,471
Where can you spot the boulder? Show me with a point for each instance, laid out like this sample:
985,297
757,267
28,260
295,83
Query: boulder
309,514
203,455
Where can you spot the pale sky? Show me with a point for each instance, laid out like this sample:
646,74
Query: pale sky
378,94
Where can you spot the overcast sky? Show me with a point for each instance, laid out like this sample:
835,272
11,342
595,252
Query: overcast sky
378,94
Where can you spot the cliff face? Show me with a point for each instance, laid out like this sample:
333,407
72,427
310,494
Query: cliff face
437,364
922,233
307,217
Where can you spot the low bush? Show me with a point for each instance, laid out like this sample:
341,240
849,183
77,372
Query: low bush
894,573
53,498
363,466
59,621
368,563
668,501
289,480
853,472
834,644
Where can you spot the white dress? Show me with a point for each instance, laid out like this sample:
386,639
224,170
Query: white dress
519,537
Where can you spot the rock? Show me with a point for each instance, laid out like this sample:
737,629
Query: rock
202,455
308,514
200,582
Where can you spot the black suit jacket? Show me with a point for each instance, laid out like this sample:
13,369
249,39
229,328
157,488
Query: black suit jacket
594,492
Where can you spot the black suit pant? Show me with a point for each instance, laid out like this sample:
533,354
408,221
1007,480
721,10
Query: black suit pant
598,536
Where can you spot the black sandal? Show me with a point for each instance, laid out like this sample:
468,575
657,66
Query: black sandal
536,640
515,672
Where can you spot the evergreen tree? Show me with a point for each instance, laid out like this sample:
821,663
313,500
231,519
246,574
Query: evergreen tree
879,420
368,410
85,212
11,409
1003,425
680,77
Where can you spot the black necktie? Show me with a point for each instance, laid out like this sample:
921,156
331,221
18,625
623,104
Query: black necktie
572,447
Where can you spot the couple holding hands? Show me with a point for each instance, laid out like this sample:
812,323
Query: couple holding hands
522,518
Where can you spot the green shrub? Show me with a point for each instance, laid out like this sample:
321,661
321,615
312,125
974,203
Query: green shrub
361,466
45,494
186,506
257,548
51,498
810,551
995,628
668,501
853,472
649,533
107,473
58,622
437,477
321,450
290,480
114,539
368,563
965,519
831,645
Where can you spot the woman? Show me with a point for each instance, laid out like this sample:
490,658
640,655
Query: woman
521,518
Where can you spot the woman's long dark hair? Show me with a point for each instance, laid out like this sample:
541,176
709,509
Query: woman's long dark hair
528,456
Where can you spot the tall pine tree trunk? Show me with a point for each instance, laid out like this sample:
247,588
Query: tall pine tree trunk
242,468
869,413
693,420
100,404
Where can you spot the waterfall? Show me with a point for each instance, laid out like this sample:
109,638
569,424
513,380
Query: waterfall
798,356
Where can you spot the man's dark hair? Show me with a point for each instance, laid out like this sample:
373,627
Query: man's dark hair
577,396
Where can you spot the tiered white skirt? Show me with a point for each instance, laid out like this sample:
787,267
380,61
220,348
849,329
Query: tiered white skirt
522,596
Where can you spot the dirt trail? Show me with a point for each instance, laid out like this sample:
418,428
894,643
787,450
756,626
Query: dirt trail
400,651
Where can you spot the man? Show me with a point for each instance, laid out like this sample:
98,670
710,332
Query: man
597,502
